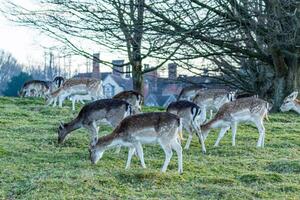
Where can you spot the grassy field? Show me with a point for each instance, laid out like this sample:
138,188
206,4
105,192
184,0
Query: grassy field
34,166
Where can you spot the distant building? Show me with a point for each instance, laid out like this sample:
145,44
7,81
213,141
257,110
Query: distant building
118,68
96,65
114,84
159,100
172,71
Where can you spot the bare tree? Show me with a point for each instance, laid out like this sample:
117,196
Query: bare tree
118,25
253,44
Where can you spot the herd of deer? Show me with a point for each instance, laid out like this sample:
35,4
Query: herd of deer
132,128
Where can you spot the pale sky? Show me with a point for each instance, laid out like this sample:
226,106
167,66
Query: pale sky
26,44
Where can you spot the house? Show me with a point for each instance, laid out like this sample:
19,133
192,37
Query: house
113,84
159,100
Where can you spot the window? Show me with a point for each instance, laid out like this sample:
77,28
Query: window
109,90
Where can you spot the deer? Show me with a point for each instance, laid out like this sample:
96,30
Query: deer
189,92
213,99
249,109
58,81
291,103
80,97
34,88
192,117
133,97
76,86
103,111
133,131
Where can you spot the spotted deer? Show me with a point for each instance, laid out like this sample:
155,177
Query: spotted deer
249,109
213,99
34,88
73,86
104,111
192,117
80,98
157,127
189,92
291,103
133,97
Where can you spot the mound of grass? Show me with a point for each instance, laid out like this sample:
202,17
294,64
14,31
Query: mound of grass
34,166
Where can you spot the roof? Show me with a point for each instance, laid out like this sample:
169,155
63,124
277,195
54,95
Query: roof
125,83
103,75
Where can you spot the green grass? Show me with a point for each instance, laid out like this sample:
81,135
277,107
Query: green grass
34,166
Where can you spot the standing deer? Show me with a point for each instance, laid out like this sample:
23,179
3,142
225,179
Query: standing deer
132,97
192,117
76,86
189,92
241,110
110,111
213,99
291,103
158,127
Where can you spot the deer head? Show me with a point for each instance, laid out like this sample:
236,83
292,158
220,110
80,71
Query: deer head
62,132
289,102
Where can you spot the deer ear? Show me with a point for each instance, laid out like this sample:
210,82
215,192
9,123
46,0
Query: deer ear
293,96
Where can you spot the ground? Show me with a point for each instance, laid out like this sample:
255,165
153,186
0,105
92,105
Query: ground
34,166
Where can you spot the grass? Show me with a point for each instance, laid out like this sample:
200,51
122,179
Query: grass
34,166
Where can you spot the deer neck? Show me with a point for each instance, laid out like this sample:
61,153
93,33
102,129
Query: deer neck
73,125
296,106
109,141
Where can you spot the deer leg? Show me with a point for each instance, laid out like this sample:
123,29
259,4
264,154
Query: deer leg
54,102
201,138
140,153
210,114
168,152
177,147
73,104
60,102
188,143
233,128
221,134
93,129
261,129
130,154
81,101
118,149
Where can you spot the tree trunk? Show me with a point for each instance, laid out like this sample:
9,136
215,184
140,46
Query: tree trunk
137,77
287,73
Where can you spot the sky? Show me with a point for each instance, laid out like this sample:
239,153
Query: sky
26,44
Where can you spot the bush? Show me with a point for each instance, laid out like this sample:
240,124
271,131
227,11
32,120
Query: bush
16,83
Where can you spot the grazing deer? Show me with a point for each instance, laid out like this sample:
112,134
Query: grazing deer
157,127
192,117
249,109
189,92
132,97
80,97
213,99
291,103
34,88
73,86
109,111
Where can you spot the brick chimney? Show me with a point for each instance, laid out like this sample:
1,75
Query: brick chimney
172,71
117,70
96,65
